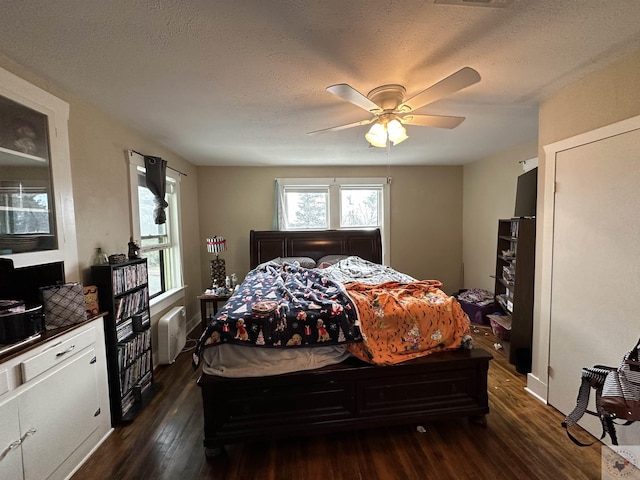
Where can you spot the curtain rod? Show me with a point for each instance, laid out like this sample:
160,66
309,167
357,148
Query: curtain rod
170,168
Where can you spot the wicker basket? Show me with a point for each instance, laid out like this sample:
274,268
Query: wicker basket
117,258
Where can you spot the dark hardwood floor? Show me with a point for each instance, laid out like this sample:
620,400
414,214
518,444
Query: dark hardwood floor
523,439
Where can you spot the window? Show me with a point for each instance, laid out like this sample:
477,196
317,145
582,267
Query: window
306,208
360,207
159,244
334,203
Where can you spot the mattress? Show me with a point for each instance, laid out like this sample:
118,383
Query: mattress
237,361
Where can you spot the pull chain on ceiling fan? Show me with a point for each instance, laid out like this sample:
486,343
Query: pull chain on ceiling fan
390,110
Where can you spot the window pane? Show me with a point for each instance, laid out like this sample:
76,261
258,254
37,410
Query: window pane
154,241
148,227
359,207
154,265
306,209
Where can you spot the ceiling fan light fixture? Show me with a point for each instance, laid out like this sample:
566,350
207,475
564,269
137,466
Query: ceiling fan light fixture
390,108
377,135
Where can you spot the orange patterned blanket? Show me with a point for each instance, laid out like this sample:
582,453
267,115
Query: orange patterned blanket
402,321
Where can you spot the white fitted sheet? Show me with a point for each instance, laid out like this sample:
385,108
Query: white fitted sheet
237,361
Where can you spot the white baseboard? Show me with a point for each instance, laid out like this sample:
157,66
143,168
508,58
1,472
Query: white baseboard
536,388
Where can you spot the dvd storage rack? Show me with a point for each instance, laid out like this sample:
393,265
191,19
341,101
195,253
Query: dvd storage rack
514,286
123,292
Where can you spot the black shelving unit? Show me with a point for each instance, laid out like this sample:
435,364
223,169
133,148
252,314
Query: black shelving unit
514,285
123,292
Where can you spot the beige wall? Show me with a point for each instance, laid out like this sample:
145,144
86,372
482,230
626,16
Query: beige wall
426,214
489,194
602,98
101,185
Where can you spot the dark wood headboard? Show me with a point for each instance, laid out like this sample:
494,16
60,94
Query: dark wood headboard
267,245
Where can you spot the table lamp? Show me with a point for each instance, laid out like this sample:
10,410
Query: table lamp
217,245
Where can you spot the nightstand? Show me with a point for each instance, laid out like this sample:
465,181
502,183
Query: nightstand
209,307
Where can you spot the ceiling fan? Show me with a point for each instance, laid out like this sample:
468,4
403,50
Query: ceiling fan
390,110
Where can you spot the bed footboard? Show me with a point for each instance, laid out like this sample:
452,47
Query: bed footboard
351,395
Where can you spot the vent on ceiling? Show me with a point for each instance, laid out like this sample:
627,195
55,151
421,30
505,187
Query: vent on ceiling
476,3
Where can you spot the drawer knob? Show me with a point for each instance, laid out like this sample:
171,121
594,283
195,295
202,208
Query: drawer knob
59,354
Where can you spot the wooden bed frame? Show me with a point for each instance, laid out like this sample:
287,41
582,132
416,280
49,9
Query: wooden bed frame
348,396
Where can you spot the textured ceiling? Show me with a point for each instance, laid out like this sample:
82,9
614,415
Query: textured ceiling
241,82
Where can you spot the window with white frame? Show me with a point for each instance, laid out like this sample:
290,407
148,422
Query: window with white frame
159,244
333,204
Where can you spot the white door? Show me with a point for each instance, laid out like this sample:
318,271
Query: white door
595,290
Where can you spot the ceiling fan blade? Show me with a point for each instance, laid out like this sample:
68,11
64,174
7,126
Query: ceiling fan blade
350,94
437,121
457,81
342,127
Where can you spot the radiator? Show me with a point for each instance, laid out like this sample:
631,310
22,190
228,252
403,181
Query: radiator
172,334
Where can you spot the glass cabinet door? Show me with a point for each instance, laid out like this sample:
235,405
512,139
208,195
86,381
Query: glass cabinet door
27,220
37,215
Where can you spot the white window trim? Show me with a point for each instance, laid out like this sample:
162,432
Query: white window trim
162,302
334,199
136,160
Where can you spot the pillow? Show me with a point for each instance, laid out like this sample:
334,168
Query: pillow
329,260
304,262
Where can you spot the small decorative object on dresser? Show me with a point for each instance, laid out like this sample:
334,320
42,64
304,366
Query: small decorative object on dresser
134,249
91,300
99,257
117,258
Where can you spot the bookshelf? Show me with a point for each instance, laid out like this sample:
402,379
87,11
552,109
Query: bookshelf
123,292
514,286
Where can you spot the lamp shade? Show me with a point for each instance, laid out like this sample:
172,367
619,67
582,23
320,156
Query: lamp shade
396,131
216,245
377,135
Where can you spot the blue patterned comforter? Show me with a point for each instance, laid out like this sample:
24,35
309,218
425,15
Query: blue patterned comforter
312,310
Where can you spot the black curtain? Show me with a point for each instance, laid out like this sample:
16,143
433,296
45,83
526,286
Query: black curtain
156,177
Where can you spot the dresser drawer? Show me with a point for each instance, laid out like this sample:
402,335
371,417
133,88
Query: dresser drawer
263,408
417,393
56,354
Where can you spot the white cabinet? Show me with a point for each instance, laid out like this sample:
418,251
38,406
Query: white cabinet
38,221
10,455
58,411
